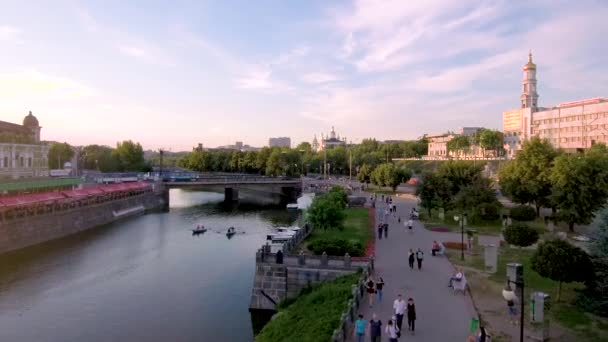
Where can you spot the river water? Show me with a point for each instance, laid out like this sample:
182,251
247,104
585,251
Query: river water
143,279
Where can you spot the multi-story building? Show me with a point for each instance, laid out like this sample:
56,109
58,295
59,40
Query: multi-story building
571,126
279,142
21,153
438,145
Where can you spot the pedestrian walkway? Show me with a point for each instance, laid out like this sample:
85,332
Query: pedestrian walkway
441,315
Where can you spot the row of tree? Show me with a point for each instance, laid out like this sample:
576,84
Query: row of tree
460,186
302,159
488,140
126,156
575,186
386,174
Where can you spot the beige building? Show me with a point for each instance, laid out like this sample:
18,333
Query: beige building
571,126
21,153
438,145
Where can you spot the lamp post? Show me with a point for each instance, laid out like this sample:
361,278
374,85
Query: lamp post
509,295
461,218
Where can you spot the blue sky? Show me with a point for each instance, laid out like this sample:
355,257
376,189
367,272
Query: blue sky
173,74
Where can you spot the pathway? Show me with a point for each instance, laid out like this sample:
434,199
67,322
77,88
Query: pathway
441,315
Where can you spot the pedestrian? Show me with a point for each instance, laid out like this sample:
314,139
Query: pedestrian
379,287
380,231
382,198
375,329
360,327
386,230
399,306
410,224
411,258
411,315
399,219
371,291
419,257
392,330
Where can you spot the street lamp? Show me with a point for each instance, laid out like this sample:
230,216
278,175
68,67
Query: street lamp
509,295
461,218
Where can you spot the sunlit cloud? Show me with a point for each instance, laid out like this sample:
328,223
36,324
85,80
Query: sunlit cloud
31,84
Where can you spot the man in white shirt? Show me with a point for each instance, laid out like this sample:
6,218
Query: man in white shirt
457,277
399,306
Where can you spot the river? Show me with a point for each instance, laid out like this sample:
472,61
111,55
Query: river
143,279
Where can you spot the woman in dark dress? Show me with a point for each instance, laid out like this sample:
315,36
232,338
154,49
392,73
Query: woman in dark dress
411,315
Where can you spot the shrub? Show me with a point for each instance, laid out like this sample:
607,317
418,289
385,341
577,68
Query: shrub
520,234
523,213
336,247
488,211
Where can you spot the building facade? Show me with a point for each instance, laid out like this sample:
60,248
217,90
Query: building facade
571,126
279,142
21,153
332,140
438,145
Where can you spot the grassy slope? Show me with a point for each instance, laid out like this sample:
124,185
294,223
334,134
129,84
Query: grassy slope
313,316
356,228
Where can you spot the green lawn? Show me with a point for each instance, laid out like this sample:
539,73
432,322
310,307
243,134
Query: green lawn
356,228
482,227
313,316
588,327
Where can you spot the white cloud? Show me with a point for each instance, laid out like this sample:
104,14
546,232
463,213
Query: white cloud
147,53
33,85
9,32
318,77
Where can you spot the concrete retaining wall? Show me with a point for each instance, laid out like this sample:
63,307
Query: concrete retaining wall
27,231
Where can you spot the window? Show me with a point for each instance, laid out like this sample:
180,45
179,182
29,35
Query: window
6,162
21,164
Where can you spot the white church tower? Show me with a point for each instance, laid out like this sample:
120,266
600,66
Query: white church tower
529,96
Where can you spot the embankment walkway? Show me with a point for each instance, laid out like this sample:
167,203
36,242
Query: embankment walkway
441,315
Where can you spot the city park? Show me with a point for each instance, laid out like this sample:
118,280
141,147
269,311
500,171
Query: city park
541,241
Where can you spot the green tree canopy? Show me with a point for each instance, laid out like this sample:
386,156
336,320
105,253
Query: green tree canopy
491,140
460,143
580,185
520,234
389,175
59,154
364,174
562,262
527,178
595,296
97,157
130,156
327,212
433,191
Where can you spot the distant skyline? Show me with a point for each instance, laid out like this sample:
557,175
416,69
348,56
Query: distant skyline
174,74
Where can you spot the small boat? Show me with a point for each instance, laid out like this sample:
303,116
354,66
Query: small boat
231,231
199,230
292,206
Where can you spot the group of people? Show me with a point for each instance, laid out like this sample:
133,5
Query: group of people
415,256
373,328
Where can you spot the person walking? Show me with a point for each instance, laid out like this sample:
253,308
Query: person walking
419,257
411,257
386,230
380,231
379,287
410,224
375,329
399,306
360,328
392,331
411,315
371,291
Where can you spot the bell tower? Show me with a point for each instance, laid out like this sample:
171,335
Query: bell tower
529,96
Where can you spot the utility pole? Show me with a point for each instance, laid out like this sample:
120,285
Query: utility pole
325,162
350,165
161,164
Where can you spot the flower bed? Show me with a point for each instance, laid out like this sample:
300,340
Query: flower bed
441,229
454,245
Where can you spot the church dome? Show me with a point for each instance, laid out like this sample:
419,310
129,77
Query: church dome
30,121
530,64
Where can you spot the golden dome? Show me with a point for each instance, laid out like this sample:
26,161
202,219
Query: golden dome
530,64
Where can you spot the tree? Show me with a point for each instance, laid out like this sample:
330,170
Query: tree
59,154
594,297
520,234
304,147
364,173
338,196
459,174
130,156
562,262
491,140
326,213
262,159
273,164
433,191
476,198
388,175
97,157
527,178
459,144
580,185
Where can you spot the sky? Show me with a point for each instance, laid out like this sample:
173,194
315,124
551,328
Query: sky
172,74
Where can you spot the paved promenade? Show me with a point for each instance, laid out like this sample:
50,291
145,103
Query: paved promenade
441,315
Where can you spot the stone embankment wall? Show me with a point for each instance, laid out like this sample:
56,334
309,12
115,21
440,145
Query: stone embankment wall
27,231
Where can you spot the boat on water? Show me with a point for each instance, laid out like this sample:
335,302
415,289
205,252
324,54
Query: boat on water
231,231
282,234
292,206
199,230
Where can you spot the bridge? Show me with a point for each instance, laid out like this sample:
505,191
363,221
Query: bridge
280,188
